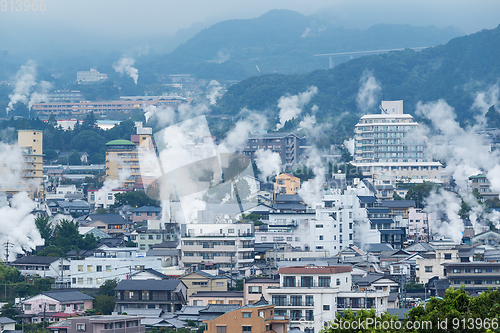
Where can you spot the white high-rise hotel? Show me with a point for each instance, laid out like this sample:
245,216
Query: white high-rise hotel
390,146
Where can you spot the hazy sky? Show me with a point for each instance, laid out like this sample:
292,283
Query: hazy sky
134,19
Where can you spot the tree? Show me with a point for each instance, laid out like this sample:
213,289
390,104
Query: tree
420,192
135,199
243,189
104,304
108,287
44,227
66,235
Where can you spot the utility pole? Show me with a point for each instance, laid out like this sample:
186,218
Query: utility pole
7,245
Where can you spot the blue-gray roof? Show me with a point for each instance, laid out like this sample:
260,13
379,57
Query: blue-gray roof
381,221
398,203
377,247
392,232
378,210
367,199
146,209
67,296
147,285
111,218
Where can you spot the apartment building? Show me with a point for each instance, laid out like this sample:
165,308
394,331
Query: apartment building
311,296
287,145
90,76
286,184
432,263
256,288
213,246
474,276
202,281
390,145
102,324
481,183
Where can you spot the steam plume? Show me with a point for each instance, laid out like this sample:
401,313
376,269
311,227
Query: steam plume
268,162
125,66
214,92
291,106
367,94
25,79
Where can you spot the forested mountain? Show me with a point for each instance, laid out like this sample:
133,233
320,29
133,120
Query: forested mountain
455,72
283,41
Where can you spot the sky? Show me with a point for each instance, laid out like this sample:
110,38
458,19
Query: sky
129,23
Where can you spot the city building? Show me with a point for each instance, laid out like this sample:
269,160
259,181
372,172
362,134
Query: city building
112,223
475,277
311,296
31,144
390,145
98,199
65,96
481,183
200,281
56,305
286,184
144,214
256,288
287,145
100,324
42,266
431,265
213,246
90,76
168,295
257,318
204,298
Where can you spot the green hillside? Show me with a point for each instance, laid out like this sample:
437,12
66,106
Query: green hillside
455,72
283,41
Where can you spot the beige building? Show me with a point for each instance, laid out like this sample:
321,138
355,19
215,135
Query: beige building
257,287
205,298
257,319
201,281
286,184
432,264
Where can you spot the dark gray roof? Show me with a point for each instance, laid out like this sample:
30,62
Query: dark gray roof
367,199
111,218
381,221
378,210
290,206
398,203
35,260
420,247
215,310
166,245
369,279
5,320
392,232
146,209
67,296
288,198
71,204
147,284
154,272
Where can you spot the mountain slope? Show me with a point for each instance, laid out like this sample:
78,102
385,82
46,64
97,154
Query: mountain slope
455,72
283,41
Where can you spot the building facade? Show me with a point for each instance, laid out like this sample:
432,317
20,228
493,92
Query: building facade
286,145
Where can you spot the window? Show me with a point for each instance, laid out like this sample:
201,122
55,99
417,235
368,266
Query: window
289,281
98,281
220,284
309,300
246,328
80,327
247,315
108,268
221,329
324,281
89,280
447,256
63,307
158,237
456,282
296,300
338,282
319,226
80,280
320,237
255,289
478,270
27,307
150,236
456,270
90,268
428,269
326,307
306,281
98,268
80,268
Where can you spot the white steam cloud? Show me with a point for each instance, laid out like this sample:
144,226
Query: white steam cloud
111,184
238,136
312,191
41,94
268,162
214,93
126,66
368,91
291,106
25,80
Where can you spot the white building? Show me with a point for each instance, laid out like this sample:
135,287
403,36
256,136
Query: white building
109,264
390,146
90,76
102,200
311,296
217,245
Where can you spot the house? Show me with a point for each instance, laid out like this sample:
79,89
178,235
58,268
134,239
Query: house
68,206
200,281
204,298
56,305
257,318
100,324
144,214
379,282
113,224
148,274
286,184
473,276
42,266
7,324
256,288
168,295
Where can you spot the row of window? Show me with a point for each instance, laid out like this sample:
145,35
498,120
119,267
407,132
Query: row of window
461,282
90,280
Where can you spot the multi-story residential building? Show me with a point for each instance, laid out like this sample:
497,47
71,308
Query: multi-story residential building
90,76
418,224
102,324
112,223
56,305
390,146
481,183
42,266
287,145
286,184
257,318
103,200
109,264
213,246
65,96
474,276
82,108
146,239
168,295
431,265
311,296
256,288
204,298
145,214
121,155
201,281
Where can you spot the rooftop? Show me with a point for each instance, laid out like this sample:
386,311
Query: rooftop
315,270
147,285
